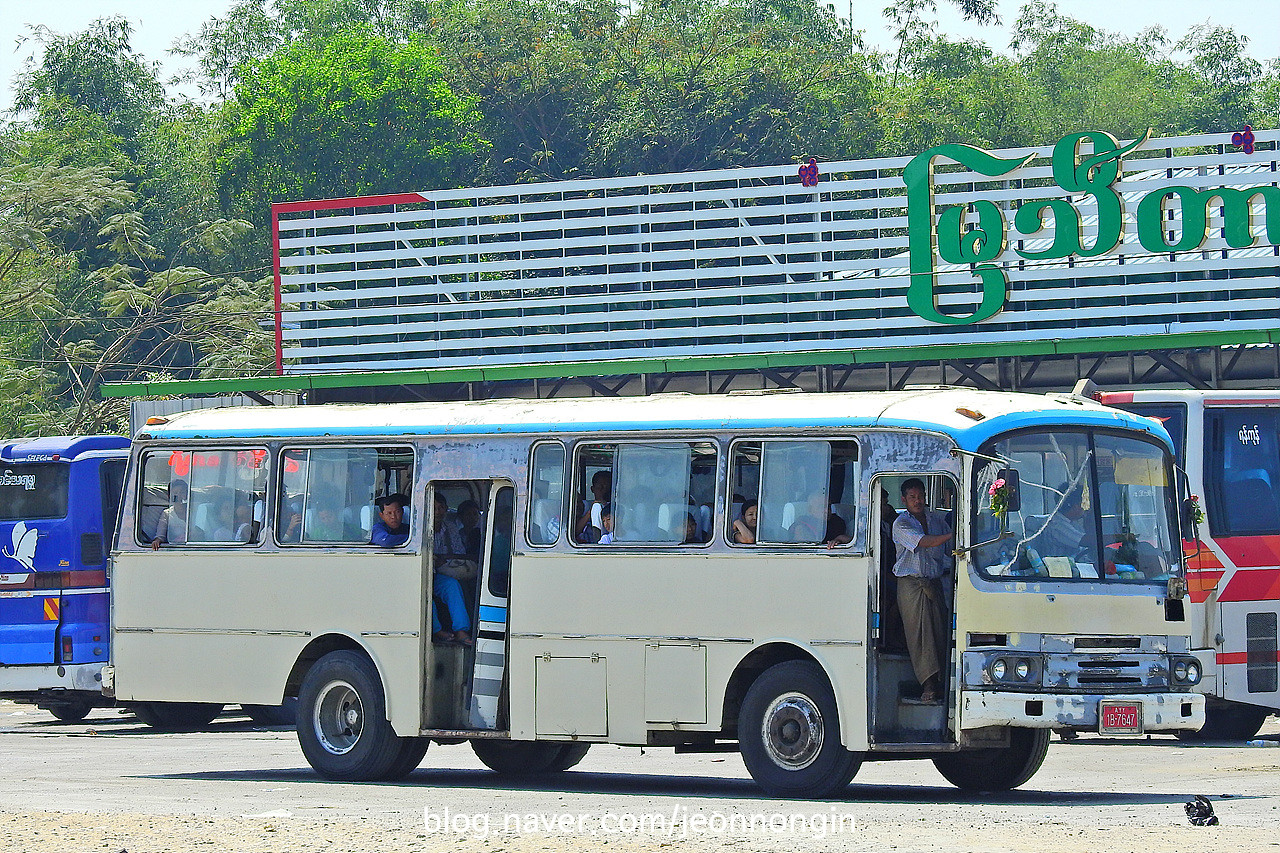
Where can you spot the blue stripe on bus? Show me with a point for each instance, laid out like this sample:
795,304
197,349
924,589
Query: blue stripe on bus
490,613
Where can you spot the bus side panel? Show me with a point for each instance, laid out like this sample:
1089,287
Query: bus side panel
169,645
644,616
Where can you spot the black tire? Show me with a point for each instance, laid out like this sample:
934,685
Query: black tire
177,716
518,758
72,711
285,714
999,769
570,755
1228,721
789,733
342,723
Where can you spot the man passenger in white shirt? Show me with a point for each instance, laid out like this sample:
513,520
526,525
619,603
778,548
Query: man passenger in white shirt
920,535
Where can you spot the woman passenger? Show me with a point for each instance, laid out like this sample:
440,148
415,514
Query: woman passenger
744,527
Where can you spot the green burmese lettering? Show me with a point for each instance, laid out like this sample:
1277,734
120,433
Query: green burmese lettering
1151,224
986,242
1093,176
1066,227
1237,217
922,241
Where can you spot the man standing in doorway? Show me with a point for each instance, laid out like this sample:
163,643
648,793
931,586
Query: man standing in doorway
920,535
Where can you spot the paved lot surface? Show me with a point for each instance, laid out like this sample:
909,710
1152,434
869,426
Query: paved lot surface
111,784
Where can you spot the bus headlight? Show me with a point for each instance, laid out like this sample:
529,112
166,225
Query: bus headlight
999,669
1014,670
1022,669
1184,671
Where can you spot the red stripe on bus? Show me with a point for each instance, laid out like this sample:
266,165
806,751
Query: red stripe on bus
1252,585
1251,552
88,577
1239,657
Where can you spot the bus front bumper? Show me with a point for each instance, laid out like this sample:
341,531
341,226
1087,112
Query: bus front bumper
1159,711
85,677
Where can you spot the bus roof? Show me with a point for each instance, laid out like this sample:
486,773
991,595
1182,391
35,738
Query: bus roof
935,409
1207,397
59,447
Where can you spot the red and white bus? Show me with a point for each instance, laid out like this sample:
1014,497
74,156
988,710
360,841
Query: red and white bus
1228,442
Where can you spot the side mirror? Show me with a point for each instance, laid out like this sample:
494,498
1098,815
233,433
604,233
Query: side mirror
1013,487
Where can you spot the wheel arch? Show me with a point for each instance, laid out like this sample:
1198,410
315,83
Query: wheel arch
757,661
318,648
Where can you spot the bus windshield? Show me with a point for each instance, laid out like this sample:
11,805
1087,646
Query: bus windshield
33,491
1093,507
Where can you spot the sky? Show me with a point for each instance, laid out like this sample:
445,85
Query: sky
157,23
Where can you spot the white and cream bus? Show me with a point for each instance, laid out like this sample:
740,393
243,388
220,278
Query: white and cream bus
649,621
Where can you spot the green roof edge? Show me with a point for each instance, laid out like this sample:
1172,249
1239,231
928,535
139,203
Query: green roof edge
687,364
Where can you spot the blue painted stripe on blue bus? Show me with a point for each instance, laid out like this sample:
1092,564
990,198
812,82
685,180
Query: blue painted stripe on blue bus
490,613
969,438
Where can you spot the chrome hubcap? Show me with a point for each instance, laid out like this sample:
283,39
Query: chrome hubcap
338,718
792,731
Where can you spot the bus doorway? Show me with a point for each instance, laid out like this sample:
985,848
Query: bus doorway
470,561
899,714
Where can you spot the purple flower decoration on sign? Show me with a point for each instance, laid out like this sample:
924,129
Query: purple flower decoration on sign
1242,140
809,174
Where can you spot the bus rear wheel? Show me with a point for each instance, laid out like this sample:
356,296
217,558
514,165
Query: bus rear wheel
789,733
342,723
998,769
177,716
70,711
570,755
523,758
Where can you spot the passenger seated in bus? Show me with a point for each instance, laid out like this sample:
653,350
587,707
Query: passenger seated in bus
691,534
390,530
291,510
327,526
920,536
601,493
246,528
472,535
821,524
744,527
447,545
172,527
606,523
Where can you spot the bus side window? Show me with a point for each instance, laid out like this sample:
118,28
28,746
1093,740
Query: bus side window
801,492
327,494
647,492
546,493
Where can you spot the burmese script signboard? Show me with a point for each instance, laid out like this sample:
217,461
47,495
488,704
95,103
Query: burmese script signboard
1098,243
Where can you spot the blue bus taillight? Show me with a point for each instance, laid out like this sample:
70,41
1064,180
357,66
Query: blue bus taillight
67,649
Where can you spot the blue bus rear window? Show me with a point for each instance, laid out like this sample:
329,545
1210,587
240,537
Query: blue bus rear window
33,491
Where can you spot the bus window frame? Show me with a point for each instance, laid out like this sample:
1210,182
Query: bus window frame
1091,432
843,547
278,496
630,545
566,476
141,484
1218,509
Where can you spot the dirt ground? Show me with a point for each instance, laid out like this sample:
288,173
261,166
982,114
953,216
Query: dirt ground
109,785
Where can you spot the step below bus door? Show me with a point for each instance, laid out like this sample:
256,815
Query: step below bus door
491,624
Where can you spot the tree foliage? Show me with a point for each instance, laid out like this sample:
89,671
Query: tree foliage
134,229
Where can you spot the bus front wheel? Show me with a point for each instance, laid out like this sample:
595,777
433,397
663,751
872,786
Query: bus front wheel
525,758
789,733
997,769
342,723
177,716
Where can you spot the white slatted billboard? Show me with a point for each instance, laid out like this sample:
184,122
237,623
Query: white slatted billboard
750,261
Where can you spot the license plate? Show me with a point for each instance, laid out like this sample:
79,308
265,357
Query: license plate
1120,718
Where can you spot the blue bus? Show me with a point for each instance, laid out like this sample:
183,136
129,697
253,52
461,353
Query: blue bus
59,501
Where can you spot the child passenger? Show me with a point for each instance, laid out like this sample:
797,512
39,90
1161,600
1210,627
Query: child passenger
606,521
